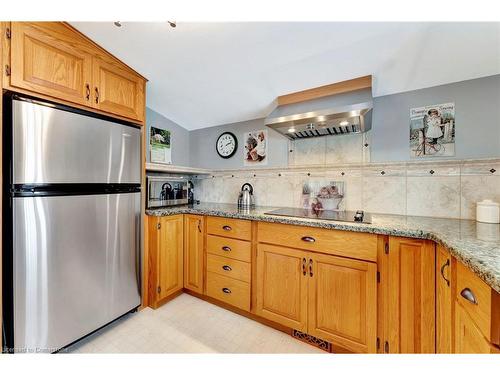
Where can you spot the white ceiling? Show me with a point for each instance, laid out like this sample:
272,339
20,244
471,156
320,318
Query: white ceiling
206,74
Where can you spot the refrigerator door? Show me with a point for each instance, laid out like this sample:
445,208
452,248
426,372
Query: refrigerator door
52,145
75,266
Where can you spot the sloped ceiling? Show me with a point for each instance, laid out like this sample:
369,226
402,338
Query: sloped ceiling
206,74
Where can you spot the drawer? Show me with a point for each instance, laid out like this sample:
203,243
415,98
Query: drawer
234,269
234,228
480,302
228,247
228,290
468,338
343,243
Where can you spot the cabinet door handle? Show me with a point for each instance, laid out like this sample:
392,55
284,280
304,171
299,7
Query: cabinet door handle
310,267
469,296
226,248
96,95
87,91
226,290
308,239
442,271
304,272
227,268
199,226
227,227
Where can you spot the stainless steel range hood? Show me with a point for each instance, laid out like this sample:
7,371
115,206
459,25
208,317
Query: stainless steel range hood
338,114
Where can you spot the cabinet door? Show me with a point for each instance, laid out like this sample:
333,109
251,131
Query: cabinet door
117,90
193,252
49,63
468,337
282,285
444,301
343,302
411,296
170,255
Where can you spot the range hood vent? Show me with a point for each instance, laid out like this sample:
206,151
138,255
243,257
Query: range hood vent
339,114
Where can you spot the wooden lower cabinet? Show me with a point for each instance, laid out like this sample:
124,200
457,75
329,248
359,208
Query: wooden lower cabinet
325,296
194,240
412,300
166,240
342,300
282,279
411,296
468,337
444,301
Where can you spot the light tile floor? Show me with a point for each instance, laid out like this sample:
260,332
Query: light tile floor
189,325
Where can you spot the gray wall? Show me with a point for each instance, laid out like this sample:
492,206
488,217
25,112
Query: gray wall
179,137
204,155
477,112
477,115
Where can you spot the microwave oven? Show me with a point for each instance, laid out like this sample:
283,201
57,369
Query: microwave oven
164,191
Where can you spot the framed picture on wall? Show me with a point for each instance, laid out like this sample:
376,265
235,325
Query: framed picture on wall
432,130
160,147
255,150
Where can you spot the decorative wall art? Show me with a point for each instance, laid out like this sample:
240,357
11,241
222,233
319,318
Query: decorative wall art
255,151
159,140
323,195
432,130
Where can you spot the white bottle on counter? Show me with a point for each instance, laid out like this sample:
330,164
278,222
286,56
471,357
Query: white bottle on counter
488,211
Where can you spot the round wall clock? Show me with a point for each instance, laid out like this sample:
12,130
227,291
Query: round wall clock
226,145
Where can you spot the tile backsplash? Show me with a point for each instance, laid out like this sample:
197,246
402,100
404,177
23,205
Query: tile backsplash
448,189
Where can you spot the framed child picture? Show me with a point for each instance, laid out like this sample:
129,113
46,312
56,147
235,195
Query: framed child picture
255,151
432,130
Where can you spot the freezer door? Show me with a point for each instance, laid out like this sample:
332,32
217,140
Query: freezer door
76,266
52,145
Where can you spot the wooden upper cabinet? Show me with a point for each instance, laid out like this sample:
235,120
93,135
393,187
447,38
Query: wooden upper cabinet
342,302
56,62
117,90
282,285
44,62
193,252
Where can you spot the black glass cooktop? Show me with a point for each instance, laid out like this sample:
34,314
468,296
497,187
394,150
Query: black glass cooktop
352,216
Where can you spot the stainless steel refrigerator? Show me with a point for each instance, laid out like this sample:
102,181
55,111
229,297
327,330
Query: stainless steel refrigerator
71,223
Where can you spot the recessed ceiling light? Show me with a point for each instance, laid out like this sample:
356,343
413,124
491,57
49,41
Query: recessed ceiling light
118,24
291,130
344,123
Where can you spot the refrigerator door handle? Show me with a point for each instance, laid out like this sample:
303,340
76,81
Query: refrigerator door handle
138,252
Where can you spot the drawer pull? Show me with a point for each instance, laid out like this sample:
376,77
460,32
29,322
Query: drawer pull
227,227
226,248
226,290
469,296
442,271
304,272
308,239
227,268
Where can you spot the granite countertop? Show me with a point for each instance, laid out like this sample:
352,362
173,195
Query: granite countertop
477,245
